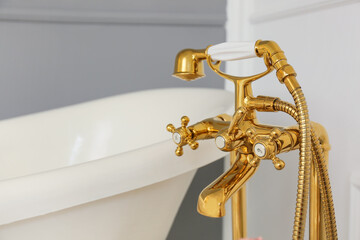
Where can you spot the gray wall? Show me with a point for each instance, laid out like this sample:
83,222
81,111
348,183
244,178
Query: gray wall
48,65
54,55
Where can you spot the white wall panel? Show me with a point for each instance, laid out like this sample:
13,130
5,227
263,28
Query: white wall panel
320,39
354,230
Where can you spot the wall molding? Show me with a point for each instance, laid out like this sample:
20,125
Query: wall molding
289,10
108,17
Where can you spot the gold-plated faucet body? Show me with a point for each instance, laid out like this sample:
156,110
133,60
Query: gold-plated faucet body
250,142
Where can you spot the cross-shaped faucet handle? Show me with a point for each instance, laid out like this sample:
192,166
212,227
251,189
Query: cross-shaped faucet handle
182,136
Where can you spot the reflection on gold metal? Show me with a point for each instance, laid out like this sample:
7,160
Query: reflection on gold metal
250,142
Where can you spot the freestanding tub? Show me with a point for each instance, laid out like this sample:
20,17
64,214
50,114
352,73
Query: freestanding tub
104,169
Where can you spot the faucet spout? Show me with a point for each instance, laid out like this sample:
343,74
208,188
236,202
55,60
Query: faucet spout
212,199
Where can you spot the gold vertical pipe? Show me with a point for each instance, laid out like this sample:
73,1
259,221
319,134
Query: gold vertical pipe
315,206
322,222
238,201
316,218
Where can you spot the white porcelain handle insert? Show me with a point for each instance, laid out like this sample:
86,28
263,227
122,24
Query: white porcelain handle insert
230,51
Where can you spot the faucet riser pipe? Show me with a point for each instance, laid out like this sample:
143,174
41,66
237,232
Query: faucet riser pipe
239,222
238,201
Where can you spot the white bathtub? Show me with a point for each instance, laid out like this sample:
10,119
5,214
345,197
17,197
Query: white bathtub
104,169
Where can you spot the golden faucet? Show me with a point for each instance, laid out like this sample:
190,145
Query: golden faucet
250,142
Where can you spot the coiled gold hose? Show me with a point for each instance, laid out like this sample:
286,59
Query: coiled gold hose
286,74
304,165
321,170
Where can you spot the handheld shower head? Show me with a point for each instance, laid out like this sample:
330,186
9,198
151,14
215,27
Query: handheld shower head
189,65
189,62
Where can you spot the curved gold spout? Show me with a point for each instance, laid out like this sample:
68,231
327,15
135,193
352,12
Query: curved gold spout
212,199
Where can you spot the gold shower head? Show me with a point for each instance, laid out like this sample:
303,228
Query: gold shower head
189,65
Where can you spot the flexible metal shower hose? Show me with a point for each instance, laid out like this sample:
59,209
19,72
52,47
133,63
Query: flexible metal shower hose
304,165
321,170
